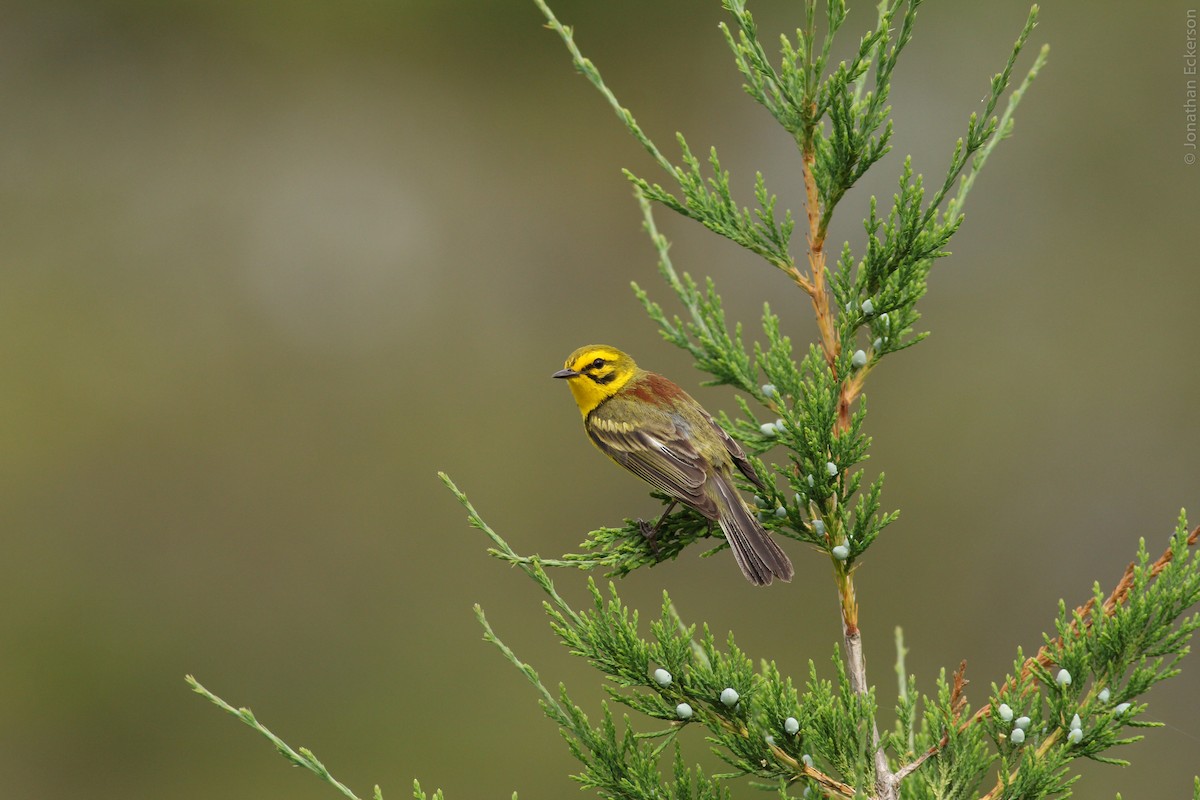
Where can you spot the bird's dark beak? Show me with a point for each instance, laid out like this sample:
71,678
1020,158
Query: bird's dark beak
565,373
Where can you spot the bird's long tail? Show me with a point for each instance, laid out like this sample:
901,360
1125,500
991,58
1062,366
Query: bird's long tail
760,559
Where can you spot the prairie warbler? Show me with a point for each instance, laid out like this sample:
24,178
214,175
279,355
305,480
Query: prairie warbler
654,429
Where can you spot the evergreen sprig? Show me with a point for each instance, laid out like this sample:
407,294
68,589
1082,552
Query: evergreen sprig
799,94
679,678
302,757
1112,650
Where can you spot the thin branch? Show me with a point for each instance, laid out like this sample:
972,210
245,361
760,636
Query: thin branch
662,246
814,283
914,765
1114,600
958,701
300,758
1042,749
902,679
1003,129
585,66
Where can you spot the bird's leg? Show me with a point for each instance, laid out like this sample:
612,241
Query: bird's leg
651,534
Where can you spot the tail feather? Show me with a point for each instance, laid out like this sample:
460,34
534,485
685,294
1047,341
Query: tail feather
758,556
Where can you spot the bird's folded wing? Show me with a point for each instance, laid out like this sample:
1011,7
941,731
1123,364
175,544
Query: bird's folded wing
660,453
738,455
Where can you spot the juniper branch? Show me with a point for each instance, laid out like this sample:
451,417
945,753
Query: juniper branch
1004,130
300,758
588,70
1084,617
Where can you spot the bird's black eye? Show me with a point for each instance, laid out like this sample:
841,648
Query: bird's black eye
598,363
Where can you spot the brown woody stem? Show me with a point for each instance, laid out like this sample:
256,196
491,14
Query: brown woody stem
814,286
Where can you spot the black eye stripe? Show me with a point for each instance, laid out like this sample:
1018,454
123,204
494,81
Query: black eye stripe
602,378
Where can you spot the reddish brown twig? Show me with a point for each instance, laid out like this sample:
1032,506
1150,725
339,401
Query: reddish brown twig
958,702
1085,612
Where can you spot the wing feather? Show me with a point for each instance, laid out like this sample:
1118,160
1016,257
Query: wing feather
658,450
737,454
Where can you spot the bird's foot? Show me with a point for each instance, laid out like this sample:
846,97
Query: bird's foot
650,535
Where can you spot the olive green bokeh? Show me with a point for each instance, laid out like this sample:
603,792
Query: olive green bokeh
267,266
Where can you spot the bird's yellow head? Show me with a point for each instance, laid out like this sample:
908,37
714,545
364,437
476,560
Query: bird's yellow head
595,373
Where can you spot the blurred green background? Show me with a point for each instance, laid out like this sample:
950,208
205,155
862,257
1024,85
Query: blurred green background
267,266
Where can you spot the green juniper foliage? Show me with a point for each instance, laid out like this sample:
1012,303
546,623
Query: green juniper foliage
1103,657
1077,697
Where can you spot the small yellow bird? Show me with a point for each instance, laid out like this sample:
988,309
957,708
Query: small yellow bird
656,430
